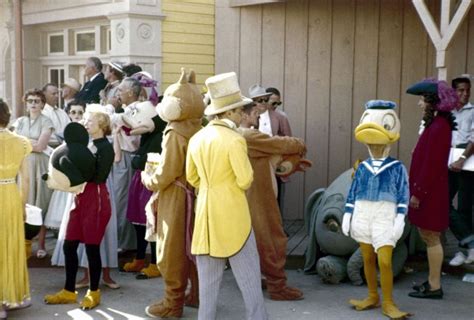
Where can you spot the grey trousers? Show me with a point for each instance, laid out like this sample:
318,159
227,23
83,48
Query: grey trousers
121,178
246,269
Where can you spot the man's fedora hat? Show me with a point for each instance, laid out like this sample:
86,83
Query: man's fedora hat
224,91
257,91
72,83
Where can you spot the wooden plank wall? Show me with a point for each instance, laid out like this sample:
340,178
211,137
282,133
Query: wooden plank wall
188,39
329,57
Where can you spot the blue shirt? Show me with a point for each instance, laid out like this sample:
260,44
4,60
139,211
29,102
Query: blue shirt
375,181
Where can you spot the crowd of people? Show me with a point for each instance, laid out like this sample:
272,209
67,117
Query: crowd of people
219,147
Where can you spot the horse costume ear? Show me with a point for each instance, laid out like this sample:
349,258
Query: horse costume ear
183,78
192,77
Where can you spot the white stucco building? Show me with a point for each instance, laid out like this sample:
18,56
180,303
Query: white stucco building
59,35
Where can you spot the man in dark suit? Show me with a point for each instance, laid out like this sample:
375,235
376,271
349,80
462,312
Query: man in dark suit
90,91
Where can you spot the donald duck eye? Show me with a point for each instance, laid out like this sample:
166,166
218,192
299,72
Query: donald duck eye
388,122
364,117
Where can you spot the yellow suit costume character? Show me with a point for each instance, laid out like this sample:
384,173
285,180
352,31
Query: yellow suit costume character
218,166
182,107
377,204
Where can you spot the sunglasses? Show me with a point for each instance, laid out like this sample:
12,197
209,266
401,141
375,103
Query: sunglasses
262,100
74,112
276,103
33,101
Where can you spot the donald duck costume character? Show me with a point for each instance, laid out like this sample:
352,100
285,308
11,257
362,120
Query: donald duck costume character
377,203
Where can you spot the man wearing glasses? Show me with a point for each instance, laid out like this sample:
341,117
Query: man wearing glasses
272,122
282,124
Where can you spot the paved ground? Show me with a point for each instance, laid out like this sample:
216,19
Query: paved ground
322,301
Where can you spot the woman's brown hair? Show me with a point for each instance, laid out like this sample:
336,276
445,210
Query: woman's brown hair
34,92
4,114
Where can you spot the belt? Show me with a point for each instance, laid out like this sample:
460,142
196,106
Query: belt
8,181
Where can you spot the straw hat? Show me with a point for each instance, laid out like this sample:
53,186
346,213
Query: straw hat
225,94
72,83
117,66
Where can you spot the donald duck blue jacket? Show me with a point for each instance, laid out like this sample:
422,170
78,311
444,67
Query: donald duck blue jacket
377,180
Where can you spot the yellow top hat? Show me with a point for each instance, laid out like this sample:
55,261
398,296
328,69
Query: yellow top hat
225,94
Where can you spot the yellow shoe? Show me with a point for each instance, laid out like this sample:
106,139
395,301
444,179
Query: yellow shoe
134,266
62,297
367,303
149,272
91,300
390,310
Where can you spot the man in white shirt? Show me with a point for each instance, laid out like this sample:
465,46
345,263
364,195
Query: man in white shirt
124,146
271,122
461,182
57,115
258,94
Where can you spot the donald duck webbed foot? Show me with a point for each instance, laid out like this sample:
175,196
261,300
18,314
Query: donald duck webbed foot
366,304
390,310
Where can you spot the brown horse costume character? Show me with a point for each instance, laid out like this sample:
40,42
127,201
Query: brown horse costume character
267,224
182,107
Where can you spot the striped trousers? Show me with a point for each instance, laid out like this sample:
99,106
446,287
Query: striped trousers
246,269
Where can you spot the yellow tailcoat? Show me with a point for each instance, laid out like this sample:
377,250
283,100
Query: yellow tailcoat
218,166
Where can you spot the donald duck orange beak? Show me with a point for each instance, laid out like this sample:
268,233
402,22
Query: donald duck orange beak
374,133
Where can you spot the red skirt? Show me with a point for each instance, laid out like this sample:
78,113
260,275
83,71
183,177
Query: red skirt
89,219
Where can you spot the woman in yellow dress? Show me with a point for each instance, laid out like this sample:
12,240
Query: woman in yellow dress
14,283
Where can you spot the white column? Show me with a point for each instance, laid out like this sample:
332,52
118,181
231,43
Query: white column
136,35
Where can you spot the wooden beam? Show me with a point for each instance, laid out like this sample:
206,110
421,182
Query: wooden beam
442,37
241,3
428,22
445,15
17,12
458,18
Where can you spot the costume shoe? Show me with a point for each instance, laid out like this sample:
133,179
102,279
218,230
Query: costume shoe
459,259
287,294
62,297
161,309
149,272
390,310
91,300
135,266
